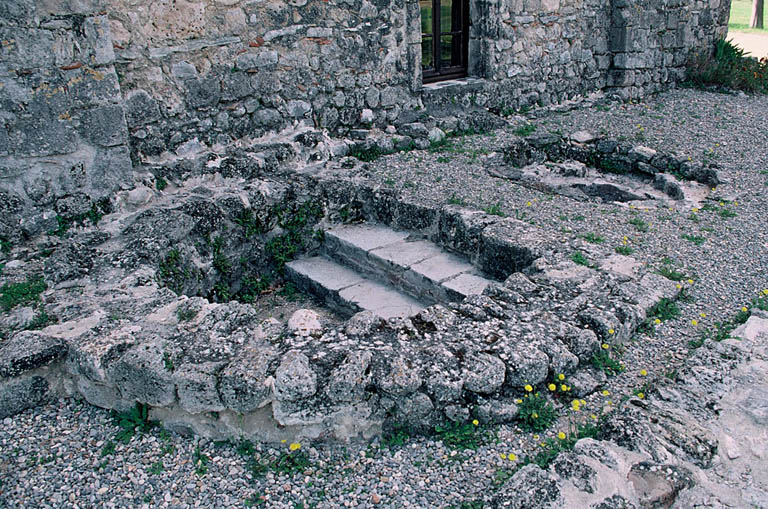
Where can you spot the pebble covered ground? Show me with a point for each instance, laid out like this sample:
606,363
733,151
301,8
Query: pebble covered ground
67,454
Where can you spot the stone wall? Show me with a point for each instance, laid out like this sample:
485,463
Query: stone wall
63,137
84,83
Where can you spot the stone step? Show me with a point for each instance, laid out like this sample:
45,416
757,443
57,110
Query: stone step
348,291
415,266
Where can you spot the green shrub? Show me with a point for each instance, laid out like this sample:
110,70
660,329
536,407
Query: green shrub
729,68
535,413
15,294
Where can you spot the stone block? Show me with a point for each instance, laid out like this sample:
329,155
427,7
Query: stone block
142,375
483,373
348,381
19,394
196,384
294,378
243,384
383,301
203,92
29,350
104,125
140,108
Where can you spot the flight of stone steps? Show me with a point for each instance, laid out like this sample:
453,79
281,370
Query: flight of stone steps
372,267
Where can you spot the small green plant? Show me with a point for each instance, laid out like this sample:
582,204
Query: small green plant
461,435
134,421
456,200
94,215
638,223
5,244
161,183
396,436
730,68
494,210
443,159
108,449
220,261
525,130
186,313
249,223
726,213
535,413
554,446
156,468
200,461
665,309
624,250
604,361
15,294
290,462
593,238
671,274
696,239
579,258
168,362
366,154
171,273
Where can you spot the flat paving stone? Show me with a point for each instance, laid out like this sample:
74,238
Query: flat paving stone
324,272
441,267
385,302
365,236
404,254
467,284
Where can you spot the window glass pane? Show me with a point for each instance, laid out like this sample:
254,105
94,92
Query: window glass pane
450,50
427,60
426,16
446,15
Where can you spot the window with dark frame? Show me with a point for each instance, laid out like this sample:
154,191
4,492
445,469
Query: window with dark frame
444,39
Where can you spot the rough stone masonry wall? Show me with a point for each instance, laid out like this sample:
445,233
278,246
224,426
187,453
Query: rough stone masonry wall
63,140
85,83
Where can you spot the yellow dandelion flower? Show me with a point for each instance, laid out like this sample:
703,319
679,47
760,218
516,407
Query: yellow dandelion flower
528,388
765,292
594,417
512,456
295,446
641,395
535,415
605,346
283,441
543,444
694,322
561,376
744,309
690,281
735,204
575,405
529,204
518,401
536,437
714,189
721,204
475,422
561,435
703,315
609,402
678,286
583,403
552,387
606,392
657,321
643,372
611,331
563,387
503,456
694,210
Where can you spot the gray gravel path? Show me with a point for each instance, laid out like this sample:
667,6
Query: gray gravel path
59,455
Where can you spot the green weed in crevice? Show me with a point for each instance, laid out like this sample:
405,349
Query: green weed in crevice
696,239
171,272
132,422
534,412
28,292
604,361
98,210
462,435
578,258
593,238
624,250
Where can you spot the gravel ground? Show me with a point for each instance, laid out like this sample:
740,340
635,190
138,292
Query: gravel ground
66,454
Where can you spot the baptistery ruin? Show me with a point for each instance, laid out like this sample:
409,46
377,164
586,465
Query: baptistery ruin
178,156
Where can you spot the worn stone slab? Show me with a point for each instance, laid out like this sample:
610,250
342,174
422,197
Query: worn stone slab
321,271
404,254
440,268
464,285
379,299
362,237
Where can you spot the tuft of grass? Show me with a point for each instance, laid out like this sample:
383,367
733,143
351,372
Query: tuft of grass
730,68
535,413
624,250
494,210
671,274
461,435
593,238
15,294
200,461
525,130
397,436
579,258
366,154
456,200
134,421
161,183
638,223
696,239
604,361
